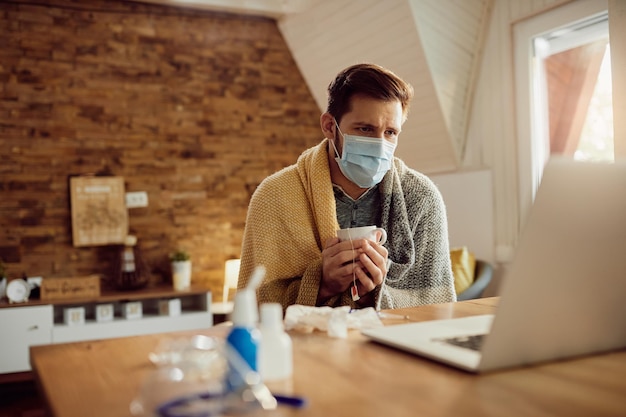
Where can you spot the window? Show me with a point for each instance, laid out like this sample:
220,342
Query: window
577,69
559,56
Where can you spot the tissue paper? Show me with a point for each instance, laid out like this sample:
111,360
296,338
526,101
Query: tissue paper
335,321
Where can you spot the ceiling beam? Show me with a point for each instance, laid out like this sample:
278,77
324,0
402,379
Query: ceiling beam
267,8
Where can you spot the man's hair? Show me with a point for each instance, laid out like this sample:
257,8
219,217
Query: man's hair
370,80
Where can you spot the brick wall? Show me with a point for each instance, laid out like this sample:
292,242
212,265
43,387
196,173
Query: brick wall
195,108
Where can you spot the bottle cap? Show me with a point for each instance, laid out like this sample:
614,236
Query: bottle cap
272,315
245,311
130,240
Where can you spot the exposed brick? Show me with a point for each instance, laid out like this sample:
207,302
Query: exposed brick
10,254
195,108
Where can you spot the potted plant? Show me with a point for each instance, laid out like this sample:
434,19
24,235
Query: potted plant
181,269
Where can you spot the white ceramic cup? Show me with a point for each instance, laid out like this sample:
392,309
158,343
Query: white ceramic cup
364,232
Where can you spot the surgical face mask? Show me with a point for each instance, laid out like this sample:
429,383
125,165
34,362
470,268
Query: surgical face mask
364,160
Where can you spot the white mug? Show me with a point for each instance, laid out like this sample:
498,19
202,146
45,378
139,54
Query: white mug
364,232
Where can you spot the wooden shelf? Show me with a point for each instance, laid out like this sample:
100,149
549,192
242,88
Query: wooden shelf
162,291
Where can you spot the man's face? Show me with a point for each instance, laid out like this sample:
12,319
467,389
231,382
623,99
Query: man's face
371,118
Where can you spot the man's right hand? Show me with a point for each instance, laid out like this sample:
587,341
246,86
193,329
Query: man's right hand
343,262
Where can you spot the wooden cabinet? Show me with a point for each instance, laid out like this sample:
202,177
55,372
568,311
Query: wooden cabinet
40,322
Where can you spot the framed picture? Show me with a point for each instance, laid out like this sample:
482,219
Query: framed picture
99,214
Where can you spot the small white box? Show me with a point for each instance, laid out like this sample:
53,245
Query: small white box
169,307
74,316
132,310
104,312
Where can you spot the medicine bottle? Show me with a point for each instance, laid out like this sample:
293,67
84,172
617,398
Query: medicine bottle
275,352
244,338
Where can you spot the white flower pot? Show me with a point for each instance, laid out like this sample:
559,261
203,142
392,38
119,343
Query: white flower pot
181,275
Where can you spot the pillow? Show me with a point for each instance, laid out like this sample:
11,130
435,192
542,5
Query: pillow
463,266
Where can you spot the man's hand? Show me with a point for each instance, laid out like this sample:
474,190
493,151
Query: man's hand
364,260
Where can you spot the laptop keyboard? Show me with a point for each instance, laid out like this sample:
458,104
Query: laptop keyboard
473,342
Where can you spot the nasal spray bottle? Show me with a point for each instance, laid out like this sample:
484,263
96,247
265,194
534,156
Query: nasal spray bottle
244,337
275,352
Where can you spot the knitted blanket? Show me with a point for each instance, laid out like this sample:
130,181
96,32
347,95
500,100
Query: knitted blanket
292,213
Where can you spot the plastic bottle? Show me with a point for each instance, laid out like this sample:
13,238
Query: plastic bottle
275,352
244,337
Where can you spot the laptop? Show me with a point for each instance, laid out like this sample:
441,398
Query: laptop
564,294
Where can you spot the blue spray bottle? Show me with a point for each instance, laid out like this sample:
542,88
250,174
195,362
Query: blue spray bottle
245,337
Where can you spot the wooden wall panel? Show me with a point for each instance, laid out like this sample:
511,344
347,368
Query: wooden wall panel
332,35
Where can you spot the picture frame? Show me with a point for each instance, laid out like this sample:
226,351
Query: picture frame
99,214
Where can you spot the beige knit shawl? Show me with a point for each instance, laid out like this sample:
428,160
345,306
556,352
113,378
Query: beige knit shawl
292,213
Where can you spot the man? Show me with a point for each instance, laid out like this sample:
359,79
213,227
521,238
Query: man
351,179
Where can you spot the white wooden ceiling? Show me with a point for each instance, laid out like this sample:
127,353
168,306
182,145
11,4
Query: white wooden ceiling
435,45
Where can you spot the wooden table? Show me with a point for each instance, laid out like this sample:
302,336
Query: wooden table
349,377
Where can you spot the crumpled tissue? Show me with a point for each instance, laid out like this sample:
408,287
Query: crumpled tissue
335,321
